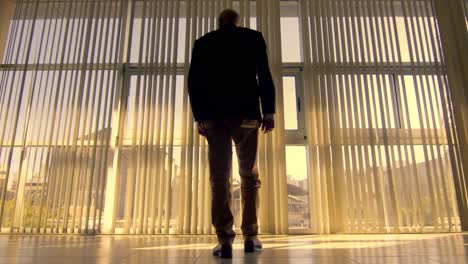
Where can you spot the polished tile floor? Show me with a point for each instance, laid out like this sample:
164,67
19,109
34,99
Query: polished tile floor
298,249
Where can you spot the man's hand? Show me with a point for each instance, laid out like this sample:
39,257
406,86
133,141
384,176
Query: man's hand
202,129
268,123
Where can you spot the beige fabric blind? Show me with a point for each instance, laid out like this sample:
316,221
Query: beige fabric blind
59,81
96,132
381,139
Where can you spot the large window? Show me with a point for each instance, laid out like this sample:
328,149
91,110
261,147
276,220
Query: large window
96,129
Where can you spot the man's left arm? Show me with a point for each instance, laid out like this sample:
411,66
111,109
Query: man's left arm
265,80
194,82
266,86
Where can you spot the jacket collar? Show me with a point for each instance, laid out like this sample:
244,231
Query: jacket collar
227,26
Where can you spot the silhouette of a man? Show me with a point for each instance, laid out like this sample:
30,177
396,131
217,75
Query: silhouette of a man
232,95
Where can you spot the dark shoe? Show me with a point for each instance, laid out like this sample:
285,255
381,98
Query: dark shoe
252,245
223,251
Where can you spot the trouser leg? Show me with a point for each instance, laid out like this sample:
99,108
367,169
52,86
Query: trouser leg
246,140
220,159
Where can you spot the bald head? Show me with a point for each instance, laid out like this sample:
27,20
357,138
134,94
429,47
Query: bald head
228,17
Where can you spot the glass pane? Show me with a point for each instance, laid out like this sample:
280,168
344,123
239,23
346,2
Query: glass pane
298,187
44,39
138,39
362,101
412,170
421,100
148,157
9,176
290,102
290,35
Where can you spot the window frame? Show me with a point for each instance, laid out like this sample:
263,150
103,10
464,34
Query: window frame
296,136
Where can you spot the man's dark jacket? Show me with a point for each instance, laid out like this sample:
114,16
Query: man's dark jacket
222,80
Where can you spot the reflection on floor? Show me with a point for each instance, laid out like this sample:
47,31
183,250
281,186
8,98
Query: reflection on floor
327,249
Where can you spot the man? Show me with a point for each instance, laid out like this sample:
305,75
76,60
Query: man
228,77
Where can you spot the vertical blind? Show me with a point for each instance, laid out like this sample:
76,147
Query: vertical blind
57,96
97,135
381,141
